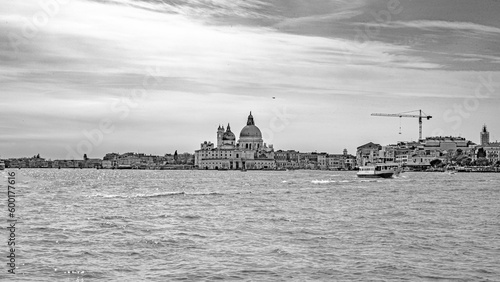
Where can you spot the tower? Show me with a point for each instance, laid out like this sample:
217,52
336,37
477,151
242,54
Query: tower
220,133
485,136
250,119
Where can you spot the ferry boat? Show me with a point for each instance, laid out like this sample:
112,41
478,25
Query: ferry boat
383,170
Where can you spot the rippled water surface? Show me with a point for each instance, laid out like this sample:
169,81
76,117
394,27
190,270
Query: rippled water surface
110,225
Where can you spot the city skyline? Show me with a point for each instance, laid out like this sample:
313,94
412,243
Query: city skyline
159,76
483,141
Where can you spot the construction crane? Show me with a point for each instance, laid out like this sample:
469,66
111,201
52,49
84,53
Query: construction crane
420,116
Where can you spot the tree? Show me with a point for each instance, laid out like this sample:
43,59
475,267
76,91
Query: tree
481,153
175,156
492,155
435,162
466,161
460,158
85,157
38,156
482,162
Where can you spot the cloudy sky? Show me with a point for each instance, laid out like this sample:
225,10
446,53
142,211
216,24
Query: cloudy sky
157,76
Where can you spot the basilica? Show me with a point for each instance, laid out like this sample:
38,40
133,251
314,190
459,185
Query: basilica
249,152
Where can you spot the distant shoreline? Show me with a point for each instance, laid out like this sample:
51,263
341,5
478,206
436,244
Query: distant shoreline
483,170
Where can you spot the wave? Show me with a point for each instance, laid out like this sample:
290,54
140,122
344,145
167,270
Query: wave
205,194
330,181
190,216
322,181
155,195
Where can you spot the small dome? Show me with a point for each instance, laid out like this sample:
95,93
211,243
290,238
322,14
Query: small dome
228,136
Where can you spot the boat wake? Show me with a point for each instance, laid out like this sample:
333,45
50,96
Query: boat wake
156,195
330,181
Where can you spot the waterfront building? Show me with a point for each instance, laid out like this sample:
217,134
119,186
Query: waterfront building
419,155
18,163
92,163
108,164
492,151
322,161
349,160
308,160
281,158
249,152
287,159
447,149
368,153
67,164
445,143
342,161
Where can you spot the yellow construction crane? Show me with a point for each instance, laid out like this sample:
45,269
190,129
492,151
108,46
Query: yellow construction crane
405,114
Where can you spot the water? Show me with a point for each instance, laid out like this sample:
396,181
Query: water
92,225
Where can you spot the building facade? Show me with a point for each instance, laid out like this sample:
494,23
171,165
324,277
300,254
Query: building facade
249,152
490,150
368,154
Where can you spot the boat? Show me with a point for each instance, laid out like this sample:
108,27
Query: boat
379,170
2,165
124,167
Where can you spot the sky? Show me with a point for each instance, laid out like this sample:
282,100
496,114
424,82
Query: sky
155,76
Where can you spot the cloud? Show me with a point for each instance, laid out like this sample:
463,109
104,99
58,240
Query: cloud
211,66
203,9
450,25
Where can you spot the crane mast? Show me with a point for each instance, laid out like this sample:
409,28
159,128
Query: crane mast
420,117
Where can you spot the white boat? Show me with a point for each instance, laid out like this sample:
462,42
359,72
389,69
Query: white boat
383,170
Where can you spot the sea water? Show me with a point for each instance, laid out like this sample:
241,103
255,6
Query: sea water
133,225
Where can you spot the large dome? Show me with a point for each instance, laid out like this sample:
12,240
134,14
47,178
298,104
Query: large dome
250,130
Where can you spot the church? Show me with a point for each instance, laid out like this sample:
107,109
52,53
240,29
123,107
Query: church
248,153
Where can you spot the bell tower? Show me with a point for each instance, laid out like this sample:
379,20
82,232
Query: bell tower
485,136
220,132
